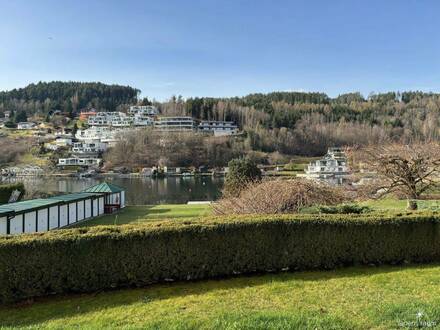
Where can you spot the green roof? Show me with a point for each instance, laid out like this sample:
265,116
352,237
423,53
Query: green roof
5,211
18,207
74,197
26,205
104,187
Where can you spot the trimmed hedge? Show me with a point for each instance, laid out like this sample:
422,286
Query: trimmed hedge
96,258
7,189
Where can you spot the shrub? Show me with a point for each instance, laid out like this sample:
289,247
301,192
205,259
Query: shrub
96,258
12,149
241,173
10,124
344,209
279,196
7,189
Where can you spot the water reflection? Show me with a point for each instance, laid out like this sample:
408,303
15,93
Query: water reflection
172,190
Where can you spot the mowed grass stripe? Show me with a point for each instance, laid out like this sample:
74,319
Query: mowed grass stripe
142,213
353,298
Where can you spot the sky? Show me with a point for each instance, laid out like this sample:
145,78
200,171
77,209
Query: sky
223,48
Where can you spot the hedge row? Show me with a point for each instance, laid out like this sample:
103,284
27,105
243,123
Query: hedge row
96,258
7,189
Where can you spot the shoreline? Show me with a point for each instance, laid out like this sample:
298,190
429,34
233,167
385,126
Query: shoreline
115,175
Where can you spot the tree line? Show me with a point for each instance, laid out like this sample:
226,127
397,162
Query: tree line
308,123
69,97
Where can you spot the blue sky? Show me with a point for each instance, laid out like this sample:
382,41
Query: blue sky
223,48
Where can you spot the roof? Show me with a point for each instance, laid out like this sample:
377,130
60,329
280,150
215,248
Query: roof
74,197
34,204
104,187
4,210
26,205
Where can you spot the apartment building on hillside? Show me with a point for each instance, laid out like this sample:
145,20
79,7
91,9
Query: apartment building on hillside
146,110
218,128
174,123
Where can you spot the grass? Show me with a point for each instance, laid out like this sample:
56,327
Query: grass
30,159
383,297
396,205
142,213
351,298
16,133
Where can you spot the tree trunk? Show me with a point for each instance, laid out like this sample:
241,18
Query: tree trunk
411,204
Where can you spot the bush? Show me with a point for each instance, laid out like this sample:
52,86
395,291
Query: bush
241,173
344,209
7,189
12,149
279,196
97,258
10,124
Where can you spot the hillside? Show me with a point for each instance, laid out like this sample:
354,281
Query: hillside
288,123
69,97
308,123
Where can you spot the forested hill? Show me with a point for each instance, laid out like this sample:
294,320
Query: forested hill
308,123
284,109
67,96
287,122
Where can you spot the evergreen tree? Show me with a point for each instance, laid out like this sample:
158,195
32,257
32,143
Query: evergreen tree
21,117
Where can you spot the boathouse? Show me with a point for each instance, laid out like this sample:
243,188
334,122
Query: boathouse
40,215
114,196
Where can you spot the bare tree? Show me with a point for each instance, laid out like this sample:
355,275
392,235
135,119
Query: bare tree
410,170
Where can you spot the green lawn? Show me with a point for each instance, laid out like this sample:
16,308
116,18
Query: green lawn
351,298
396,205
141,213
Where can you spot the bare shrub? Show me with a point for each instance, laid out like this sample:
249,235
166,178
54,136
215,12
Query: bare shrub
12,149
280,196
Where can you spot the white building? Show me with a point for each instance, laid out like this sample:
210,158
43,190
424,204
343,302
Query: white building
218,128
101,119
58,143
141,119
26,125
147,110
40,215
122,121
174,124
75,161
63,141
332,168
116,119
97,133
88,147
63,133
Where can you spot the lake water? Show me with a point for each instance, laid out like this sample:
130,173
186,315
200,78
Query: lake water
139,191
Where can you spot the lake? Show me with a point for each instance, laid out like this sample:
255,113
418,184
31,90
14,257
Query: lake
139,191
